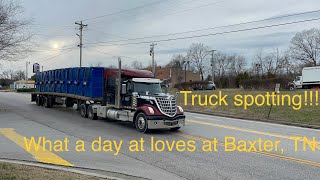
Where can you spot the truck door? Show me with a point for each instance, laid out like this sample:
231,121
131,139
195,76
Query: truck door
298,81
127,98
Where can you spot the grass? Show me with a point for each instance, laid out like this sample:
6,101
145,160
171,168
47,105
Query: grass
22,172
306,115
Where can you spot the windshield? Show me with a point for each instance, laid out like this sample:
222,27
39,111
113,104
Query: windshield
152,88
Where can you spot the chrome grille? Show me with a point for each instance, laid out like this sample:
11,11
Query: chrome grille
167,105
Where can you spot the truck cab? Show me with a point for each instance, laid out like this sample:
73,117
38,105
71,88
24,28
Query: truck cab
154,108
139,98
297,82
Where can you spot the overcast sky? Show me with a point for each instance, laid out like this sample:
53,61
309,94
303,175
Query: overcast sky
56,32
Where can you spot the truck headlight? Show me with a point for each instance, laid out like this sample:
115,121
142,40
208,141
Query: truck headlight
180,109
151,110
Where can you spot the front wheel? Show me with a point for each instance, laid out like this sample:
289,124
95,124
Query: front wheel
83,110
91,114
141,123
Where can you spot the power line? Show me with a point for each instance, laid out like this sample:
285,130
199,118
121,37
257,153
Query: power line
49,58
162,15
214,34
210,28
113,55
123,11
41,60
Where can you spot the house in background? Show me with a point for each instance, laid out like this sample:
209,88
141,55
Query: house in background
174,76
24,84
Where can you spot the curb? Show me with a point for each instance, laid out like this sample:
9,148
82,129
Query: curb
61,168
260,120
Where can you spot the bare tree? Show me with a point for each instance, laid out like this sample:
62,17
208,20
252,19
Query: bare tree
197,55
222,63
237,64
177,64
305,46
137,65
14,35
269,62
257,64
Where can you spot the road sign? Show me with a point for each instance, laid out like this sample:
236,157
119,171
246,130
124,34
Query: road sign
36,68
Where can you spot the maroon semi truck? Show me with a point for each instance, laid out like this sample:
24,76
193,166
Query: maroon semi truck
137,98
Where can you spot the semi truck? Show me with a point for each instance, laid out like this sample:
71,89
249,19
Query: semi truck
310,79
133,96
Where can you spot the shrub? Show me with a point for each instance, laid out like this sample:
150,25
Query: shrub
268,84
195,85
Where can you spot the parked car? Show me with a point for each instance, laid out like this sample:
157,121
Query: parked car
211,86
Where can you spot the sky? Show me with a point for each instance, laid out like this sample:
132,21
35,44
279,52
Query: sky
117,21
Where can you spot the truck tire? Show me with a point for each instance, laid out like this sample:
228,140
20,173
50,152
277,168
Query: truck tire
47,102
83,110
141,123
91,114
291,88
38,100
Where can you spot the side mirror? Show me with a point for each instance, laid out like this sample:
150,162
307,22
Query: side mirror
124,89
177,94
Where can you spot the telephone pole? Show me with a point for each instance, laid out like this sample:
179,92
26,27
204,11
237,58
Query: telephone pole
80,37
27,70
212,65
152,55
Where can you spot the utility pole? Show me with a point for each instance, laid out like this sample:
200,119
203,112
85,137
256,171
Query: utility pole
27,70
80,37
152,55
185,71
212,67
42,69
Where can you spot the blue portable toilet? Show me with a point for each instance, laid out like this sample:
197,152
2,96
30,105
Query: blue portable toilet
63,81
76,80
94,82
70,81
51,81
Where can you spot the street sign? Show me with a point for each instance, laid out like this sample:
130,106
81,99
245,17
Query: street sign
36,68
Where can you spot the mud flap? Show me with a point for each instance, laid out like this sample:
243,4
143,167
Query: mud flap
33,97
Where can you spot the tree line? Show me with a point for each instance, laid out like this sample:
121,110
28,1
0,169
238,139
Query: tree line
230,69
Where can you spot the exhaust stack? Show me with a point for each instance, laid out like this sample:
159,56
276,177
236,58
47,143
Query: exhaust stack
118,87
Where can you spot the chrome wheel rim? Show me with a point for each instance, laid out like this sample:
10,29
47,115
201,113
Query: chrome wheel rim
141,123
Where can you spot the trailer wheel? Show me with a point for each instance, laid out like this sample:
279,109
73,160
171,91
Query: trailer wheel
83,110
38,99
91,114
47,102
141,123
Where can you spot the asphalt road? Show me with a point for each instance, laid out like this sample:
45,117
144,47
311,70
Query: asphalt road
27,119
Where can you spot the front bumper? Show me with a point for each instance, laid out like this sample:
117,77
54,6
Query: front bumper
164,122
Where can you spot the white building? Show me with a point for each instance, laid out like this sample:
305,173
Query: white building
24,85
